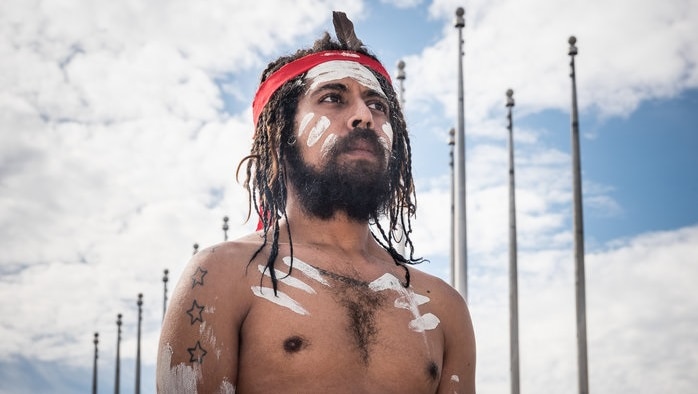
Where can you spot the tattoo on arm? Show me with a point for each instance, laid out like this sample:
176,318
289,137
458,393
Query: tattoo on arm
195,312
198,277
197,353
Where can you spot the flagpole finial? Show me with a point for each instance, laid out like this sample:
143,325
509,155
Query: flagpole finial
510,98
460,20
573,48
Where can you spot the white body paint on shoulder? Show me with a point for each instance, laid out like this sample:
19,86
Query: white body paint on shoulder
307,270
338,69
281,299
180,378
316,132
409,300
304,123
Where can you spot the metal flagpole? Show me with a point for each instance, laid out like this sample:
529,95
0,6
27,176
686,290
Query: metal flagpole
94,367
451,144
118,355
225,228
138,344
578,233
513,270
401,75
164,293
460,272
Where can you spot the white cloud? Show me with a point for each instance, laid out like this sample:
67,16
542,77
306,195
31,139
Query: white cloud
116,156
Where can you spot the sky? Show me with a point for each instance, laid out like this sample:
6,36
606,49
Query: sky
122,124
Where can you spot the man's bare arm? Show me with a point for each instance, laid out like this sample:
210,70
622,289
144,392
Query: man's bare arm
199,340
459,347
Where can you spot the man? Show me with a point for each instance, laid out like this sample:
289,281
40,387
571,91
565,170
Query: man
314,302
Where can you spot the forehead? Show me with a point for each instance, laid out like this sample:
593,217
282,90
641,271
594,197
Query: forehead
339,69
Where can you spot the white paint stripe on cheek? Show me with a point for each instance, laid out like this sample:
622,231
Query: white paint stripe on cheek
320,127
455,378
288,280
307,269
281,299
304,123
388,130
180,378
428,321
329,143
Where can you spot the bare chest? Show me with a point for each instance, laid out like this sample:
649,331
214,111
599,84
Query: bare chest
324,330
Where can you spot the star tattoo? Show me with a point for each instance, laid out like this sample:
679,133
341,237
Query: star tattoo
195,312
197,353
198,277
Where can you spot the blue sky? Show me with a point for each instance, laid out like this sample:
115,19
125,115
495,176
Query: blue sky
121,125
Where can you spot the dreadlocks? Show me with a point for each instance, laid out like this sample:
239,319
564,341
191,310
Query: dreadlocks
265,173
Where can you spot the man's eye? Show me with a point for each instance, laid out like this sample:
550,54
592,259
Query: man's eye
379,106
331,98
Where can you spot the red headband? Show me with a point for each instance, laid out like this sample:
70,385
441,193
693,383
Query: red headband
299,66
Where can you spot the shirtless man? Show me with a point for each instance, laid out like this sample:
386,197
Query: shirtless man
314,302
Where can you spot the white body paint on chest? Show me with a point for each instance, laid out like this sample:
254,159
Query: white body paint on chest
280,298
307,270
338,69
407,300
283,299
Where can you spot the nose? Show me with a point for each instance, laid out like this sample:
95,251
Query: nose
361,116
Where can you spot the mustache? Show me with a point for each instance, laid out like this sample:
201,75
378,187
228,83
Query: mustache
359,134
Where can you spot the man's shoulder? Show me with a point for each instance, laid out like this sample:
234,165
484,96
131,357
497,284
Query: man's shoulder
439,290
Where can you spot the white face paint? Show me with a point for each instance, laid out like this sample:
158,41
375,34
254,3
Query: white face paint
320,127
388,130
407,300
339,69
281,299
304,123
455,378
329,143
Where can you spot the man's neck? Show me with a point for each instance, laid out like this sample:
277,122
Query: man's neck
338,232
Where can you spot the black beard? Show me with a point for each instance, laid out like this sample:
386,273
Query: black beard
360,189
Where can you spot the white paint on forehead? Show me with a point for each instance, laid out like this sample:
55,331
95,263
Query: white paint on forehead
307,269
339,69
388,130
281,299
329,143
320,127
304,122
288,280
424,322
180,378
